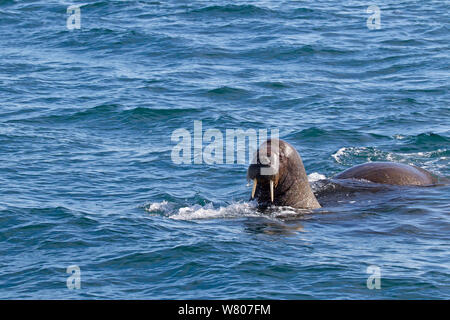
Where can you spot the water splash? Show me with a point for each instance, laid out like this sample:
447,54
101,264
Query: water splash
435,161
315,176
233,210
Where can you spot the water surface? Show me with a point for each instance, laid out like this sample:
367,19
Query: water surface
87,179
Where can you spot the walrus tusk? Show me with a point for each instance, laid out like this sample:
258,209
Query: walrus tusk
271,190
255,182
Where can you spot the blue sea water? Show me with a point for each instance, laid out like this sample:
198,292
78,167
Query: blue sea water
87,177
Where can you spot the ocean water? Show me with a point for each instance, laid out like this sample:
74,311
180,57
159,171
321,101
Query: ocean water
86,173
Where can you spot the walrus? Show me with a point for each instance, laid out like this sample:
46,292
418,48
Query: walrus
279,177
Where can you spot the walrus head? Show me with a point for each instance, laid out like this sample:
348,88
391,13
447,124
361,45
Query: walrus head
279,177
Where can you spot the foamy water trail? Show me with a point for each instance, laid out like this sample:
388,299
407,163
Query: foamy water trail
233,210
346,155
315,176
209,211
434,161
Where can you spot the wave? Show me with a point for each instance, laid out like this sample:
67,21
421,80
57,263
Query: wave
427,138
228,92
274,84
314,132
231,9
291,52
111,112
314,136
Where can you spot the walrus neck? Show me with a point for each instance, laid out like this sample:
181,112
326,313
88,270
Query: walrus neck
300,193
308,199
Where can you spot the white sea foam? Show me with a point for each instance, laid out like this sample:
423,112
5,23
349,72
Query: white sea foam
339,154
345,155
163,206
209,211
315,176
430,160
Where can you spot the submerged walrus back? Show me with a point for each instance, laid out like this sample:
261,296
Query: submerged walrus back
389,173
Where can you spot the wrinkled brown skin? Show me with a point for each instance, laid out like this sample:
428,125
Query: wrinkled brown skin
291,182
